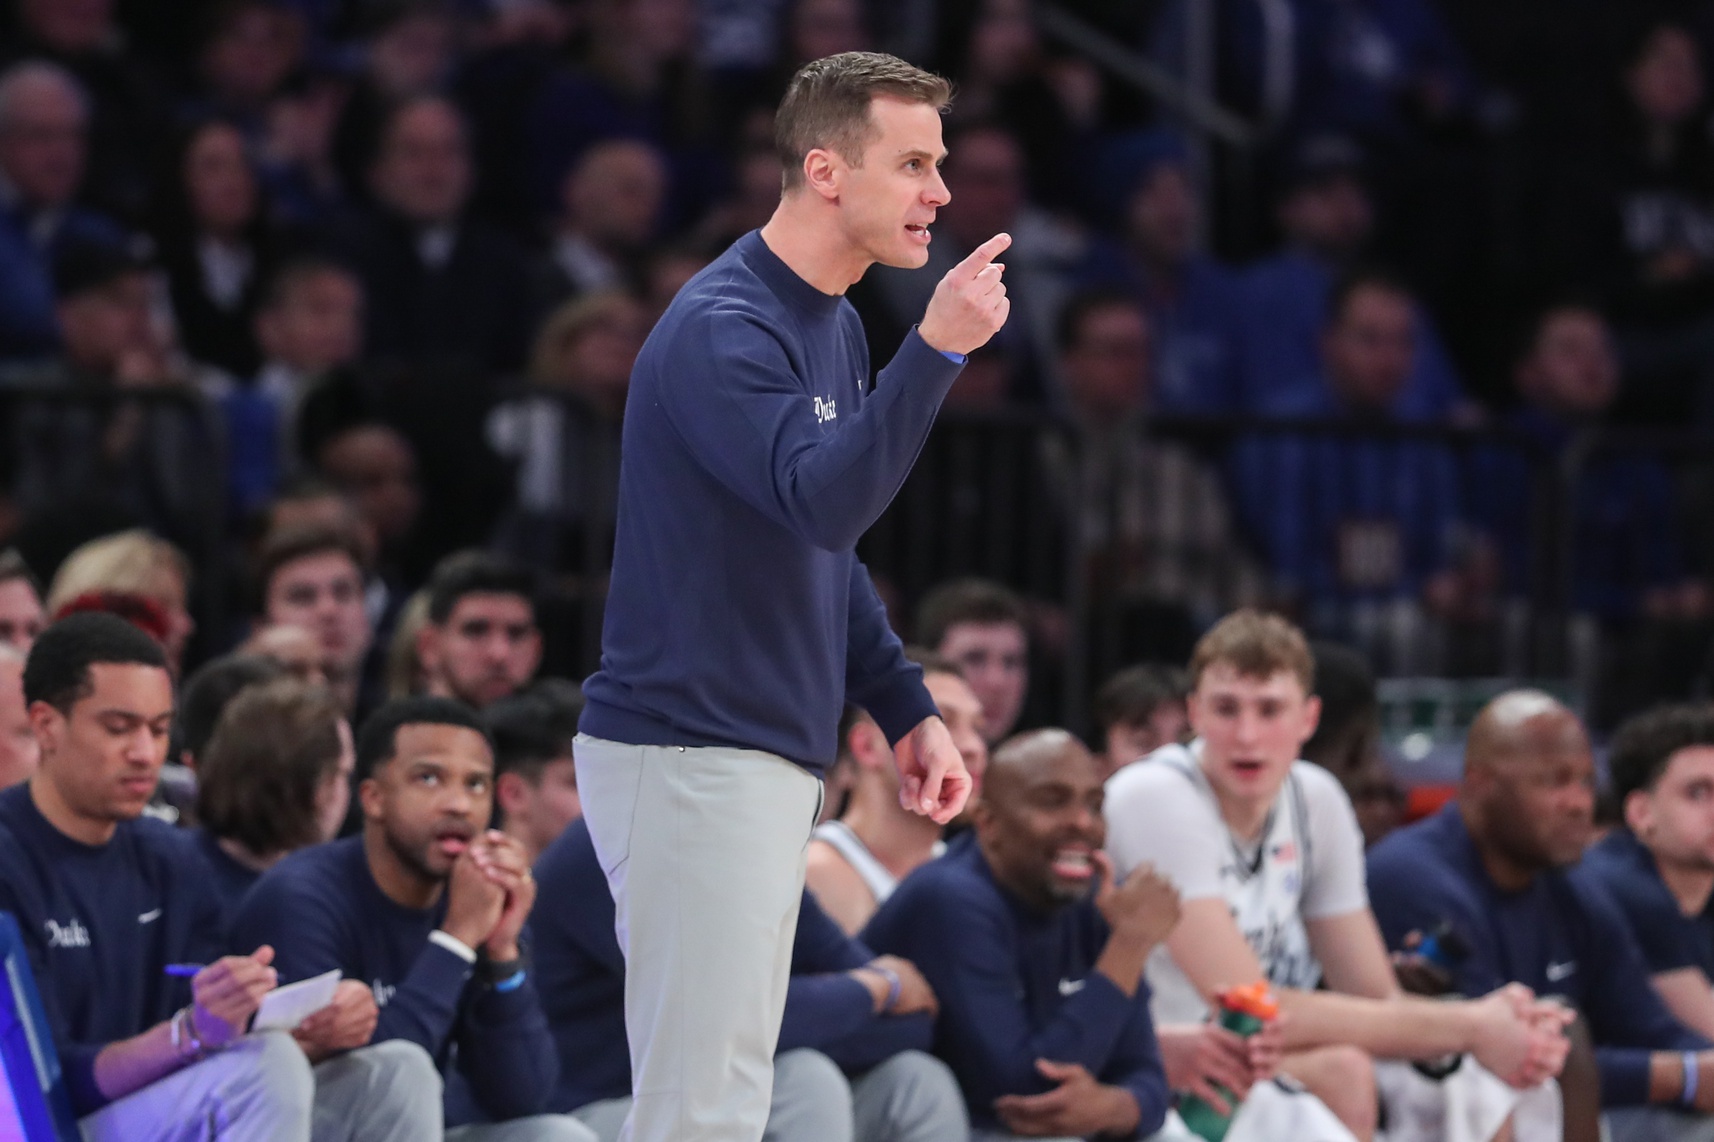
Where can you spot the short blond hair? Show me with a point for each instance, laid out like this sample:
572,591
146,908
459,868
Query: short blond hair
570,323
128,561
827,105
1256,645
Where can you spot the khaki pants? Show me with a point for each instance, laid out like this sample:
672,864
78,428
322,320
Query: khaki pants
703,850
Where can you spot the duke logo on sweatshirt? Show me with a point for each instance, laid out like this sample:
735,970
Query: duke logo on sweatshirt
71,934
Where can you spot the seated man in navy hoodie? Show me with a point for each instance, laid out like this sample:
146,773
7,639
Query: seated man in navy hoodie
1498,866
107,898
428,909
1658,865
1044,1015
848,1012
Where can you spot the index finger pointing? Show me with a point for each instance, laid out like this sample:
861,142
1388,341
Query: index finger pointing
985,253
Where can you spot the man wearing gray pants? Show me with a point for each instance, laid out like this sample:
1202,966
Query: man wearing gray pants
739,622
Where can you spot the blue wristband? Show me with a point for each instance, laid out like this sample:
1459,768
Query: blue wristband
1688,1095
955,358
512,982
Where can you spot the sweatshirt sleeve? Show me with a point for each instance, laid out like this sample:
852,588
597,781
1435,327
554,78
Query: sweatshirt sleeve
878,676
506,1052
749,421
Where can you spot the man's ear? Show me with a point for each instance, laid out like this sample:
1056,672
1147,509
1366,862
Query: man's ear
1639,812
369,797
824,173
49,725
511,793
428,649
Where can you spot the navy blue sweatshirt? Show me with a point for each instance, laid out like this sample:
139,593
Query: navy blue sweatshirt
753,459
1560,936
320,908
1016,985
101,922
1669,940
582,974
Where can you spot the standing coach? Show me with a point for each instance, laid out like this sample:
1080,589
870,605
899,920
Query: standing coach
739,620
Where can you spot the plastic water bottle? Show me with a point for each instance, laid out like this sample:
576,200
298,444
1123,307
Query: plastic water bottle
1243,1011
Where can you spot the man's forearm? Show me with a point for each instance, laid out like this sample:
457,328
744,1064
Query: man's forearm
128,1065
1398,1027
1123,959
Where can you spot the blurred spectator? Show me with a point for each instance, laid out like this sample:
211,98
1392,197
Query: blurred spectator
1658,864
206,694
20,753
404,674
1051,994
856,861
1347,739
275,777
1661,229
610,209
44,123
1138,710
636,79
428,908
982,628
985,182
375,467
480,643
308,322
126,110
295,649
566,450
1287,299
214,240
667,273
1191,299
250,49
412,50
312,577
750,203
131,562
21,613
1361,529
535,781
1499,868
441,289
1150,512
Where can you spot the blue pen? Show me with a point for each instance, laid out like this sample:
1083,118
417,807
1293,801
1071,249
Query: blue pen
184,971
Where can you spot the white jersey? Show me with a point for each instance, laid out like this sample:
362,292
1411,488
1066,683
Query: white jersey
1307,862
864,863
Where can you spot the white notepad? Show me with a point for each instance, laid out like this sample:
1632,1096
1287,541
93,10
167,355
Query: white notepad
285,1007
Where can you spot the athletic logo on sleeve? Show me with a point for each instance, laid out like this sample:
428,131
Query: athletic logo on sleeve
826,409
150,916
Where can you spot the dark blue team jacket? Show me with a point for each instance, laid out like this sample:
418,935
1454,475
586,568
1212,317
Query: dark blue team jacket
320,908
1016,985
1669,939
738,613
1560,936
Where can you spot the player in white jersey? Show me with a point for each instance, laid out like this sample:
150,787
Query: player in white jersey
1268,859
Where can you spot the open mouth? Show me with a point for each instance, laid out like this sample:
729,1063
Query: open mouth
918,231
453,842
1247,768
1074,862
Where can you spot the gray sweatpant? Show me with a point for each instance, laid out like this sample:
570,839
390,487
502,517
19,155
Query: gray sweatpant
703,850
911,1097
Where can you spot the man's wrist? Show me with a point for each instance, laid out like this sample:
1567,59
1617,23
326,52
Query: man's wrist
501,953
875,983
1124,1112
455,943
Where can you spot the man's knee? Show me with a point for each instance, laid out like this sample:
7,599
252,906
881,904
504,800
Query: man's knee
811,1102
279,1071
912,1095
399,1070
1343,1078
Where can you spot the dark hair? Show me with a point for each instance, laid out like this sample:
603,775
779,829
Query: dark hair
966,601
288,545
57,671
1357,280
13,566
211,689
1350,707
1068,329
272,749
827,105
1644,745
378,738
474,572
1132,695
535,727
